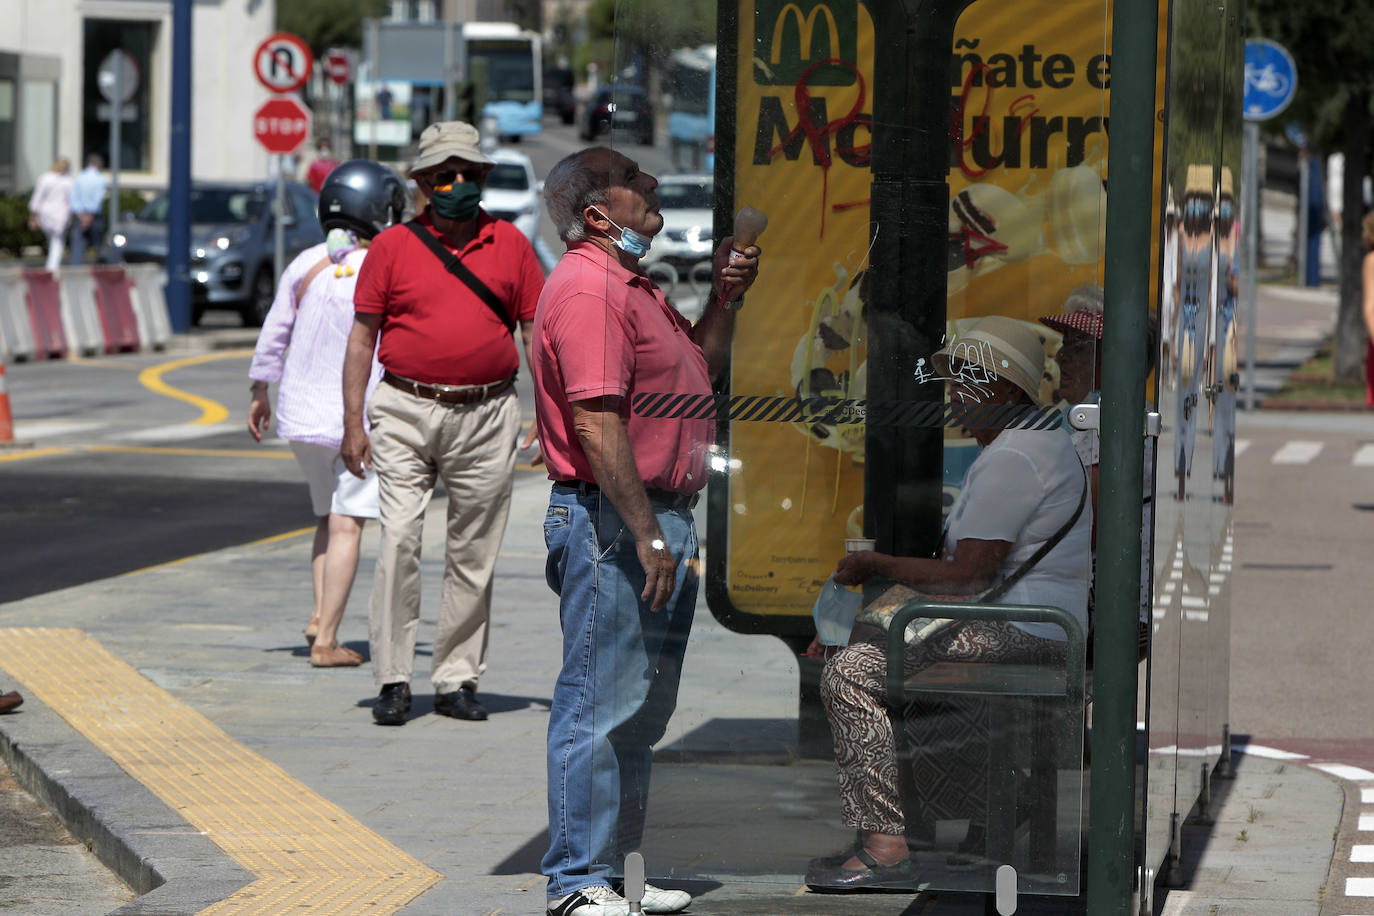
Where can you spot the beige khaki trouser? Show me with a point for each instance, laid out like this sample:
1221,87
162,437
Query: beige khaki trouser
471,448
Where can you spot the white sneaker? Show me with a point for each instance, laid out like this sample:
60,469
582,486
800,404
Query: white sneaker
596,900
663,900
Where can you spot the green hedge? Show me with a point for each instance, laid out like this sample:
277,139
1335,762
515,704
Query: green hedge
15,234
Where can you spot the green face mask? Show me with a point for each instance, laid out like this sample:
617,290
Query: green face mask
459,203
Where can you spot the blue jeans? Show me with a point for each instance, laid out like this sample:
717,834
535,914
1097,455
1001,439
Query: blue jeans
618,684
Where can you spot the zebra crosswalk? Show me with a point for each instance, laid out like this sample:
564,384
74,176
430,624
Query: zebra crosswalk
1307,451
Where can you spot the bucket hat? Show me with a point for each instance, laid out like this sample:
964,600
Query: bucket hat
444,139
1000,347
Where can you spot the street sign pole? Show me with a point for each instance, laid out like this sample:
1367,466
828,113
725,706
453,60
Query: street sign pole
278,230
1271,80
179,172
1249,164
116,141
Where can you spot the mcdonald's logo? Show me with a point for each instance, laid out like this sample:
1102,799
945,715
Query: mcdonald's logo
802,33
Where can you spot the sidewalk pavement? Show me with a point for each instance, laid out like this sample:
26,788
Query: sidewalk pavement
734,807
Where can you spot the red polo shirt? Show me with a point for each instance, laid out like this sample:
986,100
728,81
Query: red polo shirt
604,330
434,328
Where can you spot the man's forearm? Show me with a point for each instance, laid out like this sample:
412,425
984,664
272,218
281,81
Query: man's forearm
357,369
713,334
607,447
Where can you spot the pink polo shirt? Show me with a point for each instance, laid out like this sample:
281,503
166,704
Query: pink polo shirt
603,330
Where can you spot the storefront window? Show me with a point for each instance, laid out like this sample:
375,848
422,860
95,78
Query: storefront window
136,39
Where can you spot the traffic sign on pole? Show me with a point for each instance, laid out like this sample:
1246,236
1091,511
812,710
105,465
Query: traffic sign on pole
282,62
337,67
282,125
1271,79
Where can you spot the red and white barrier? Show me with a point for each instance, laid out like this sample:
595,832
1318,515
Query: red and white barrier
87,310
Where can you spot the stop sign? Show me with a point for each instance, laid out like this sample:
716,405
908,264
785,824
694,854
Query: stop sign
336,66
282,125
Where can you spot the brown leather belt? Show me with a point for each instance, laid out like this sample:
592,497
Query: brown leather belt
669,498
446,394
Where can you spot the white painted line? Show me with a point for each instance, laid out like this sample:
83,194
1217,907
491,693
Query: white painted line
43,429
1297,451
1367,796
1241,446
1362,853
1342,771
1366,823
1364,456
1359,887
180,432
1272,753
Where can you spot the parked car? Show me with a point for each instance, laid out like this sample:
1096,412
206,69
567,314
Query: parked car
512,192
620,110
686,202
558,94
232,242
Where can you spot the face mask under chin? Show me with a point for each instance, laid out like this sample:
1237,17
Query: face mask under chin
635,244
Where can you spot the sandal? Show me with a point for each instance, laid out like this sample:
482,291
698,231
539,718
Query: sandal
900,876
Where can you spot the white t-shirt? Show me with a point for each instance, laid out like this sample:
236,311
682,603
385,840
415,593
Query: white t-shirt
1022,488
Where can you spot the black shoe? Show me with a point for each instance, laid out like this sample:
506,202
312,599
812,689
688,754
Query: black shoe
460,704
392,704
872,877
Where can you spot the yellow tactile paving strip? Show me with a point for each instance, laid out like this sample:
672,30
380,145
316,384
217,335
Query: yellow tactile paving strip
308,854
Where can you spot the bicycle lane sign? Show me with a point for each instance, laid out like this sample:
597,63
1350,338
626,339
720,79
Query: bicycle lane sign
1271,79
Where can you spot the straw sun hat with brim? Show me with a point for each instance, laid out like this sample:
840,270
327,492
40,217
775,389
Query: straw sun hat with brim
448,139
1082,313
1002,348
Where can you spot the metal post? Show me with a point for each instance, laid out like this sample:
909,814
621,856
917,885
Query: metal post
179,173
1304,188
1250,215
375,26
116,141
278,219
1131,191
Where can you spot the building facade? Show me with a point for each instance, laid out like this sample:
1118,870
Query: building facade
51,104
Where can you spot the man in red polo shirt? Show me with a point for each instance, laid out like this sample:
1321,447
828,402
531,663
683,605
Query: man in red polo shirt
445,292
624,485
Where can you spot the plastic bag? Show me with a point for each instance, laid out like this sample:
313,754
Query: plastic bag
834,612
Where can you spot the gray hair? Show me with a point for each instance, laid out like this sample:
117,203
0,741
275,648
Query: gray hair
572,186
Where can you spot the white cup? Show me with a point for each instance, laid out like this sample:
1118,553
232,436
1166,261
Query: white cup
854,545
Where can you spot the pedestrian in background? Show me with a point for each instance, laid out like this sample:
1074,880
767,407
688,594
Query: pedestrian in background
50,208
301,346
621,538
88,203
319,169
445,292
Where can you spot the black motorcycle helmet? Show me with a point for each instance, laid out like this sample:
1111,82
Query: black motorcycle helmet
363,196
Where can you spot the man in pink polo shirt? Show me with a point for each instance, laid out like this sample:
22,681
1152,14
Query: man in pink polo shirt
622,543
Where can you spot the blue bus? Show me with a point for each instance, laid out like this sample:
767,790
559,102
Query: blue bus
692,118
508,62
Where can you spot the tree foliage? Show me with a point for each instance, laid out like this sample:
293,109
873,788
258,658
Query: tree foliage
1329,42
643,32
325,24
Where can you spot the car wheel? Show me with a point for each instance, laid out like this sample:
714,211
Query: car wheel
197,313
259,301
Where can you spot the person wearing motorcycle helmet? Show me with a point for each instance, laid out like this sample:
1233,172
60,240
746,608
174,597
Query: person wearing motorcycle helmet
301,346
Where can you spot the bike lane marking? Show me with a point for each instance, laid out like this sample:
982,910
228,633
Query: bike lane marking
304,851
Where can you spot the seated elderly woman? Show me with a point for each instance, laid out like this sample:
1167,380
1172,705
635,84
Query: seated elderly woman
1025,488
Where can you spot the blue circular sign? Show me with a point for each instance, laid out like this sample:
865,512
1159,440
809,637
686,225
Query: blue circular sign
1271,79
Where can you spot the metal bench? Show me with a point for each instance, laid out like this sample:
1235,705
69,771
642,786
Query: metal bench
1035,717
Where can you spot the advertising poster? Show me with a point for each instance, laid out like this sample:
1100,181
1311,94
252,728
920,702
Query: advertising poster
1026,220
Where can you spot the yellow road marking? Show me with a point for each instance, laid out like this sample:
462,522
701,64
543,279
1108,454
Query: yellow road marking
33,453
307,854
211,411
285,535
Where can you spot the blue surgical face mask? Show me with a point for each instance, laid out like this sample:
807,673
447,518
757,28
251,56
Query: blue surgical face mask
633,243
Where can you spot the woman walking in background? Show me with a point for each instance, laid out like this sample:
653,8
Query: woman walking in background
50,208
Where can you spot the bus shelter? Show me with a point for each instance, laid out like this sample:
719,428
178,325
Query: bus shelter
965,198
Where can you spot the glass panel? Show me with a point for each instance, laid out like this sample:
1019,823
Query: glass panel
38,133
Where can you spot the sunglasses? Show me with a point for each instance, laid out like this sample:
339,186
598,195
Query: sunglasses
443,180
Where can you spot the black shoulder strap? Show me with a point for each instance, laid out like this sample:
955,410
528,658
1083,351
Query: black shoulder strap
456,267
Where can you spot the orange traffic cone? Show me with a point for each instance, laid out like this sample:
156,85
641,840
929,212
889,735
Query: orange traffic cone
6,418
